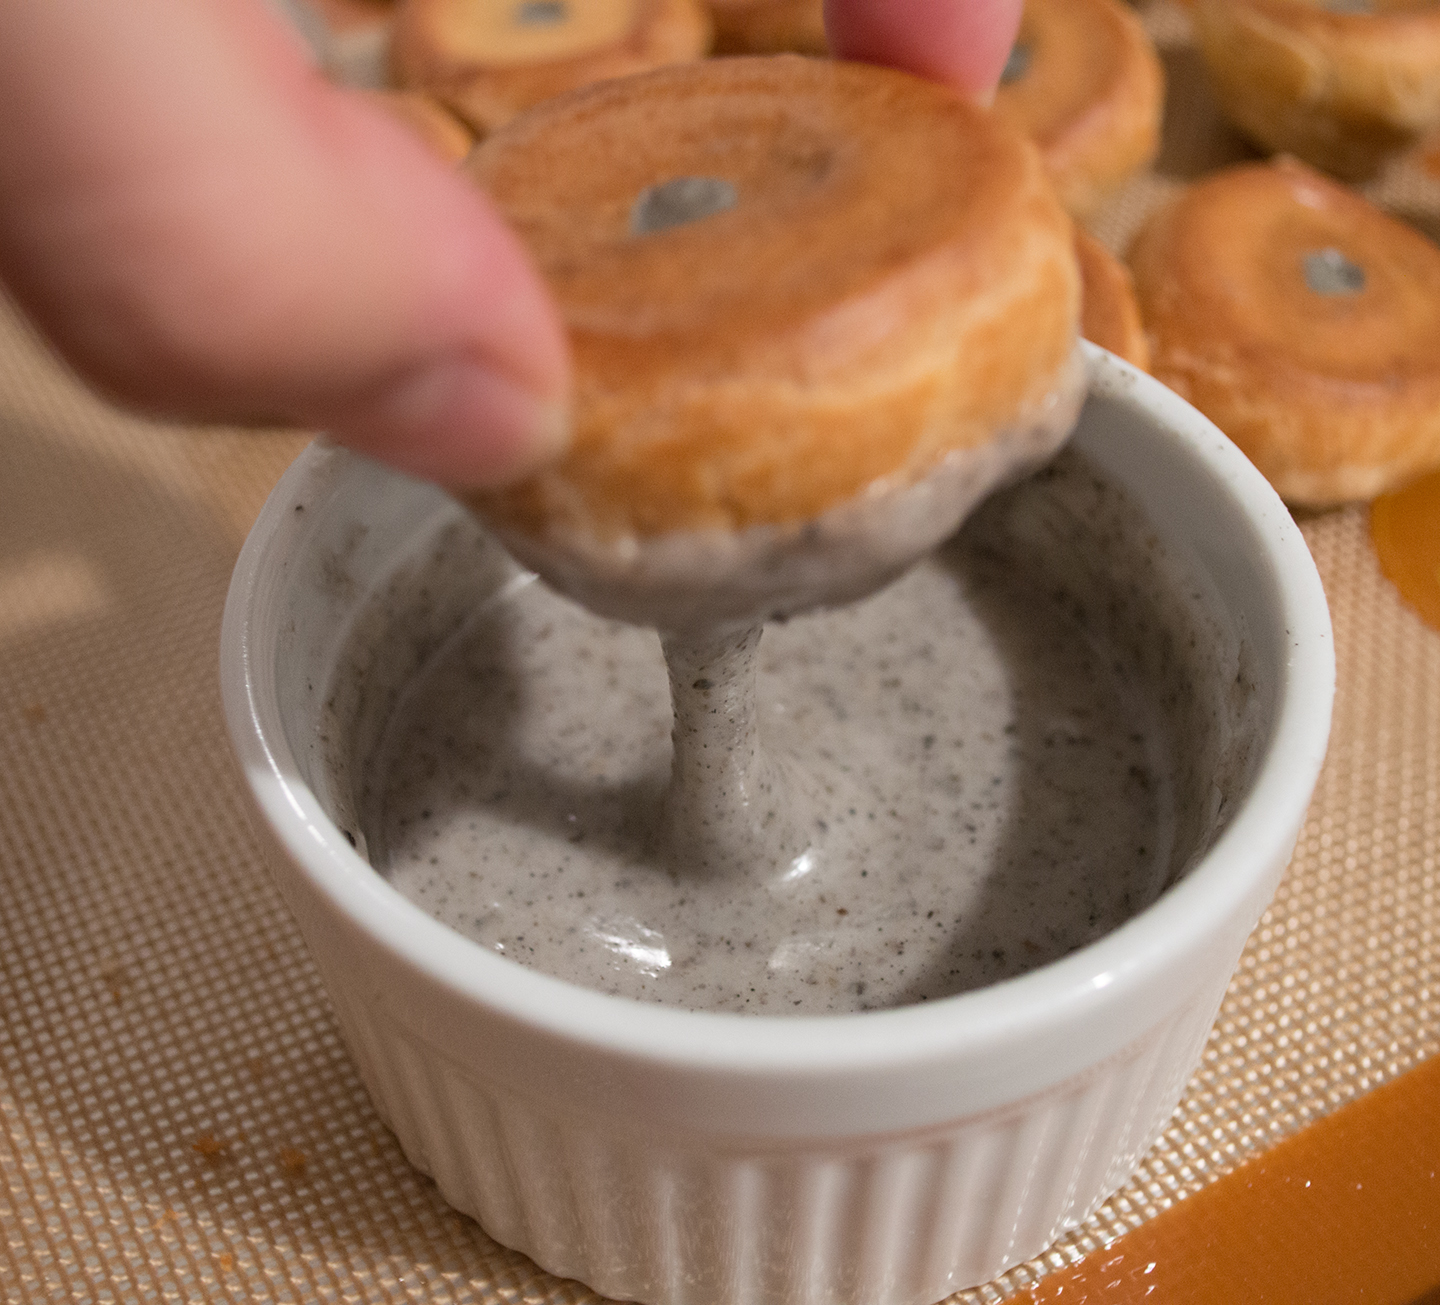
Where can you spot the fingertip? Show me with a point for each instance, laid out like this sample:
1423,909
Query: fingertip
460,423
961,43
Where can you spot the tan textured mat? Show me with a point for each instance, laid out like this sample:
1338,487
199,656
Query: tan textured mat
180,1120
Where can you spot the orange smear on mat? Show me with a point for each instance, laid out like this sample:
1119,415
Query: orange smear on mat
1346,1211
1405,528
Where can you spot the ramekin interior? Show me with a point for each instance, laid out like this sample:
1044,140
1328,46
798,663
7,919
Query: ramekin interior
1008,1039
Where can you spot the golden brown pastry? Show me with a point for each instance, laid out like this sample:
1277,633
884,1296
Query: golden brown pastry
1342,84
1085,84
1304,322
777,304
487,60
846,313
1109,311
768,26
440,129
1430,156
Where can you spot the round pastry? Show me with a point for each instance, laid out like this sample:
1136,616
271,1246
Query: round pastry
489,59
1304,322
440,129
1340,83
785,320
1084,83
768,26
354,15
1109,311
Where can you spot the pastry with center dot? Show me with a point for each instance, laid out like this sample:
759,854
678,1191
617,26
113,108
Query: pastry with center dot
1304,322
1084,83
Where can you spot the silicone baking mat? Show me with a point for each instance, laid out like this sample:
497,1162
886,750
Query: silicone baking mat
180,1119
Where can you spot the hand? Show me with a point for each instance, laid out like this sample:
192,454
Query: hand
207,230
962,42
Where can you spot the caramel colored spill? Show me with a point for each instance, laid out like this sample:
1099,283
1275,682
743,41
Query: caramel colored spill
1405,527
1346,1211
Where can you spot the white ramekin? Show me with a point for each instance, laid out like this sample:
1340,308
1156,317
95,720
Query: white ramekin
682,1158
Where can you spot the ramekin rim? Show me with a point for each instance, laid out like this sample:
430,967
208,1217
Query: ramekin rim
1008,1012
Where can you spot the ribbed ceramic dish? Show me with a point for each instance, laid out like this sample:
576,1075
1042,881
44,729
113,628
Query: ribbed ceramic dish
681,1158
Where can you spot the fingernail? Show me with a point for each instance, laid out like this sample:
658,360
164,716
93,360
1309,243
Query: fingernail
463,425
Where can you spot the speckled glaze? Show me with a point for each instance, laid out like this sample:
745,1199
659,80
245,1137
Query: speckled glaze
681,1157
701,581
970,774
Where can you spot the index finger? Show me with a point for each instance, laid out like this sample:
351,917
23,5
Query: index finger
963,43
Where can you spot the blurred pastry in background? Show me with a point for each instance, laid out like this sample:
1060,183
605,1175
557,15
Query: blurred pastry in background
1109,311
768,26
1342,84
487,60
1304,322
1085,84
440,129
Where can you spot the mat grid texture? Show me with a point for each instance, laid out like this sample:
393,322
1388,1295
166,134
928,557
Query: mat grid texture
180,1119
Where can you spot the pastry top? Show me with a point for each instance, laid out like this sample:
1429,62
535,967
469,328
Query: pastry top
1304,321
1109,311
1359,36
488,60
1085,84
775,298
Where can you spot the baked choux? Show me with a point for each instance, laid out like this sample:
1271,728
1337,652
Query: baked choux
440,129
768,26
487,60
783,316
1109,311
1084,83
1342,84
1304,322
